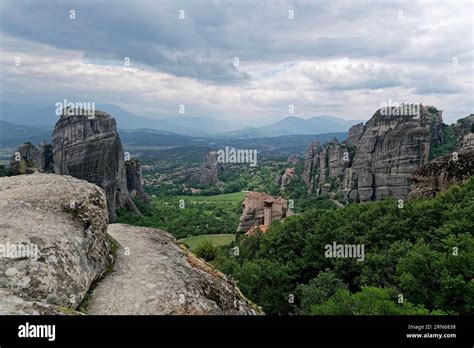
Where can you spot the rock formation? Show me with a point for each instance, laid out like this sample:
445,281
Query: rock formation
134,180
89,148
54,249
46,162
463,127
377,159
260,209
439,174
206,175
25,160
53,241
156,275
286,178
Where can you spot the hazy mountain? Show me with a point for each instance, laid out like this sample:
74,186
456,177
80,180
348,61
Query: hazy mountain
185,125
46,117
13,135
285,144
296,125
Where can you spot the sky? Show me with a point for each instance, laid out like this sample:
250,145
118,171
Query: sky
252,62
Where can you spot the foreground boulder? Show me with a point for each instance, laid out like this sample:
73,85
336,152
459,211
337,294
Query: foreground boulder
11,304
153,274
53,243
54,249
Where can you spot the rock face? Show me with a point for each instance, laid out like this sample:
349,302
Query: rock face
286,178
462,128
46,162
210,170
467,142
376,160
11,304
134,180
260,209
25,160
207,174
439,174
53,243
90,149
155,275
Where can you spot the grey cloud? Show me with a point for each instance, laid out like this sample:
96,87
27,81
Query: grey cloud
212,33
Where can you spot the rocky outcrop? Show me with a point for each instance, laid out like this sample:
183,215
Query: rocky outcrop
11,304
210,170
25,160
462,128
311,165
260,209
437,175
467,142
46,162
205,175
376,160
354,134
325,166
153,274
286,178
135,180
53,243
89,148
54,248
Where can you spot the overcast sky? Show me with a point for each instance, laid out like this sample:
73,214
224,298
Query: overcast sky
337,58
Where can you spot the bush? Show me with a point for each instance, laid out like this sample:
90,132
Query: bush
368,301
206,251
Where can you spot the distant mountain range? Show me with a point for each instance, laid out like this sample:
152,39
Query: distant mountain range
296,125
11,136
46,118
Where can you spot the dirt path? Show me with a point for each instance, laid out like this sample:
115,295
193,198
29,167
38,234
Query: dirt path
154,275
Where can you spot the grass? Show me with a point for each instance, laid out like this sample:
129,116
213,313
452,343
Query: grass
215,239
225,197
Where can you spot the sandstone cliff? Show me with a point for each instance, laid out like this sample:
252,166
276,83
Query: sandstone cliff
90,149
134,180
286,178
46,162
207,174
439,174
55,247
377,159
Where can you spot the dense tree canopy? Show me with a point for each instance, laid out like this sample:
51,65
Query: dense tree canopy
422,253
